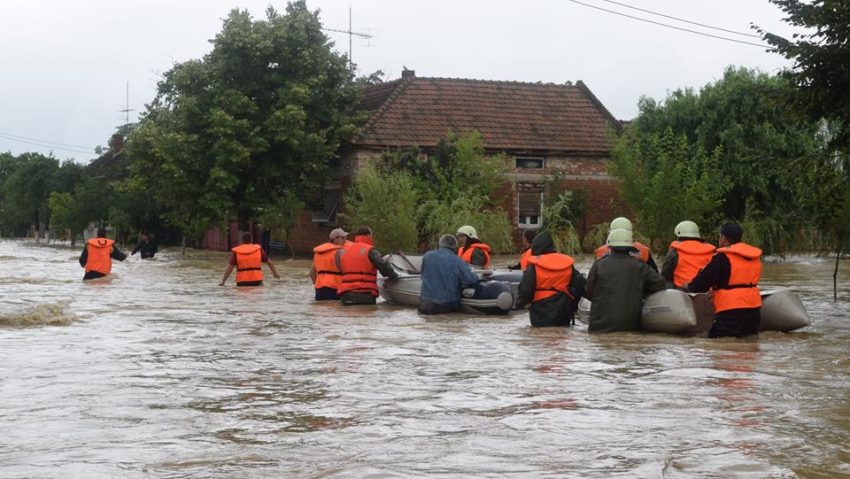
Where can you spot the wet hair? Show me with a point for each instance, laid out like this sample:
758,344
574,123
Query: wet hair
247,238
529,235
448,241
101,233
363,231
733,232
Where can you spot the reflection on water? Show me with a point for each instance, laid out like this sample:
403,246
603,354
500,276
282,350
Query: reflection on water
159,372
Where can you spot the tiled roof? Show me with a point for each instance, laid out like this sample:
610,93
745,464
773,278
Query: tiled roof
511,116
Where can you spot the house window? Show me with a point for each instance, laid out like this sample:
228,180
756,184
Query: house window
528,162
530,214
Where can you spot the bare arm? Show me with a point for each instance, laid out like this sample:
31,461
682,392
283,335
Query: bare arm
274,271
226,274
313,274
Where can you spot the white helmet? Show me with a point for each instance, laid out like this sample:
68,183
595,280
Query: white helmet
621,223
468,231
620,237
687,229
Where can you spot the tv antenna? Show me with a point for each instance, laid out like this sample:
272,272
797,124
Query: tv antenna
351,34
127,109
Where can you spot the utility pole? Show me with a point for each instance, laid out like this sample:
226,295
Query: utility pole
351,34
127,109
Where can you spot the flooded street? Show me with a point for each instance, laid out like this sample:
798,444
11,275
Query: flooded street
159,372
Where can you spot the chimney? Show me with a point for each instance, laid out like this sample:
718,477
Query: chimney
405,73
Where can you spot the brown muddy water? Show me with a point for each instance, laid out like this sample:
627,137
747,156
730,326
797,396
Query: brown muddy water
160,373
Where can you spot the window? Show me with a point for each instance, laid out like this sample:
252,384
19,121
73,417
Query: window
527,162
529,209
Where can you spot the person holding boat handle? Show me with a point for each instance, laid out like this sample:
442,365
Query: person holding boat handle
444,277
732,277
551,284
639,251
687,255
617,285
359,263
472,250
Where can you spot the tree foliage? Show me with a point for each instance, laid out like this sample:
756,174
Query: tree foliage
257,119
741,125
455,184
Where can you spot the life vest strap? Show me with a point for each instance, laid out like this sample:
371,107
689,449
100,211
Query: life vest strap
364,273
738,286
249,269
337,273
556,290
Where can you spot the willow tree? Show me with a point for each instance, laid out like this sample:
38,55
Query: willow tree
257,119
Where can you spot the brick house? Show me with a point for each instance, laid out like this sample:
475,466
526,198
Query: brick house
545,129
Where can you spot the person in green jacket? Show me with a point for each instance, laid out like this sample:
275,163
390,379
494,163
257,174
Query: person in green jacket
617,284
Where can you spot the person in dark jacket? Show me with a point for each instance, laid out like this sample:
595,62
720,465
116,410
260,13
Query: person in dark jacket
147,246
732,275
359,263
617,285
444,276
98,254
551,284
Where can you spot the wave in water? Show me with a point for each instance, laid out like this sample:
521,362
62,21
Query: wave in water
49,314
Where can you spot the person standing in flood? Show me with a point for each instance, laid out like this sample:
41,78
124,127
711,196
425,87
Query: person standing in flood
732,276
444,276
525,254
551,284
687,255
98,254
147,246
359,263
472,250
248,259
617,285
325,275
640,250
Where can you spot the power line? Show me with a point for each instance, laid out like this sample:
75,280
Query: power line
683,20
44,145
670,26
43,141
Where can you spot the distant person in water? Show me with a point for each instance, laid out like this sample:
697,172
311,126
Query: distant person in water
248,259
147,246
98,254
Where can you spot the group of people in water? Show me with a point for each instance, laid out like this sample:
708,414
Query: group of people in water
621,277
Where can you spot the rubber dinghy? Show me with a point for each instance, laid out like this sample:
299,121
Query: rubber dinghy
493,295
676,312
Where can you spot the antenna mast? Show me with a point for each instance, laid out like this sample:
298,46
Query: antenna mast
351,34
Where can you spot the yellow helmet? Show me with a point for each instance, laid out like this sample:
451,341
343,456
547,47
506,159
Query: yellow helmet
620,237
687,229
468,231
621,223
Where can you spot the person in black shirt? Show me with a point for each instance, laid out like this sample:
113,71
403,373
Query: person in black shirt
147,246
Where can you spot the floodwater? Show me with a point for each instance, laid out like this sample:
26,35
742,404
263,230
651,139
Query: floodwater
160,373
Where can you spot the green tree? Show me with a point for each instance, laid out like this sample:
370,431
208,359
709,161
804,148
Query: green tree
760,138
385,202
456,180
665,181
821,81
26,190
258,118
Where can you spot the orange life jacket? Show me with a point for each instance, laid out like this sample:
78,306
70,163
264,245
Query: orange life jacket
359,275
523,260
693,256
744,276
327,274
553,272
99,255
466,253
249,263
643,251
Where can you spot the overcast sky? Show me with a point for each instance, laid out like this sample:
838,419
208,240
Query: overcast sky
64,65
